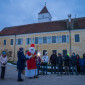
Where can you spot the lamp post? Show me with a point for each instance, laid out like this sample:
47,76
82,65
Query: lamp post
69,28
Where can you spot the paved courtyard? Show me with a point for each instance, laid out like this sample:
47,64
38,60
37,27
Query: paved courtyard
50,79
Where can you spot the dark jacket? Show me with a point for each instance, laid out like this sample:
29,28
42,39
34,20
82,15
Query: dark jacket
53,59
74,60
21,61
60,60
78,58
66,60
82,62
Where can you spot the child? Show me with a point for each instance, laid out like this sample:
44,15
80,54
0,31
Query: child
3,60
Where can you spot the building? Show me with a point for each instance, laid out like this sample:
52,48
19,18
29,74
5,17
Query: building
63,36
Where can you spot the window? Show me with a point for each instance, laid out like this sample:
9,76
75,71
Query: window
4,42
63,38
44,40
60,39
44,52
54,51
33,40
67,38
53,39
49,39
77,38
11,42
28,40
57,39
40,40
19,41
36,40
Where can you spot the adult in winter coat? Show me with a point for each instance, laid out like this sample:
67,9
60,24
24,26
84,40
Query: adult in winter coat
3,61
78,66
20,63
84,62
59,63
53,60
45,60
74,63
66,64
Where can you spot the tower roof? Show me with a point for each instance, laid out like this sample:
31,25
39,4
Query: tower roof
44,10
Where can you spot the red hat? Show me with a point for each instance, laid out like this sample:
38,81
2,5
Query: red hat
32,45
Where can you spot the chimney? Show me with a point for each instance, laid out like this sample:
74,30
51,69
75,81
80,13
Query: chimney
69,18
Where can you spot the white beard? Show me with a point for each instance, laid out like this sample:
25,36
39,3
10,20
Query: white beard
32,51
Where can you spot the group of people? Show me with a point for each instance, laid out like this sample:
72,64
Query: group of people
31,63
68,64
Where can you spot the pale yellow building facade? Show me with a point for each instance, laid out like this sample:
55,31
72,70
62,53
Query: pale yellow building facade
76,47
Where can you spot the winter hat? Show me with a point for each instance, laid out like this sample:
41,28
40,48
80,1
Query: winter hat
68,54
32,45
4,53
59,54
21,49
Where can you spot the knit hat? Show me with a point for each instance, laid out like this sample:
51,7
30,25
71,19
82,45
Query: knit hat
59,54
21,49
68,54
3,53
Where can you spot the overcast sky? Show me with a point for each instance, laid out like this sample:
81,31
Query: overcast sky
21,12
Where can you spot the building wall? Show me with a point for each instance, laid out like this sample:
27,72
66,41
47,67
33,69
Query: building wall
77,47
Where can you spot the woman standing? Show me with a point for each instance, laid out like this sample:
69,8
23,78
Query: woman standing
3,60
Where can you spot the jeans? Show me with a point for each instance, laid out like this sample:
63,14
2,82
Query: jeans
70,69
52,68
60,69
44,67
82,70
66,69
2,71
38,67
19,74
74,68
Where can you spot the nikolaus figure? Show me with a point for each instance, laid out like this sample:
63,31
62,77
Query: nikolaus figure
31,69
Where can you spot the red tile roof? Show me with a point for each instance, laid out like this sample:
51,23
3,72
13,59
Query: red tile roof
79,23
44,10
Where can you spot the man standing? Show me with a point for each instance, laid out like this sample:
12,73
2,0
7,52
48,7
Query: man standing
60,63
74,63
53,60
45,63
20,63
31,69
66,64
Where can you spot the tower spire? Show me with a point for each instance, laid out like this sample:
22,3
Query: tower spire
45,3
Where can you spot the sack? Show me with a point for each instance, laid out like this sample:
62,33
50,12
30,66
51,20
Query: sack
23,72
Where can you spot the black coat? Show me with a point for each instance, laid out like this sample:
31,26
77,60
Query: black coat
53,59
74,60
60,60
21,61
66,60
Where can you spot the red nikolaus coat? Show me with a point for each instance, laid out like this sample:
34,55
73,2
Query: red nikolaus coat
31,63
